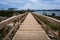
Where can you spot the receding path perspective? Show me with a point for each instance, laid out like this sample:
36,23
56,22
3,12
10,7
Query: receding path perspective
30,30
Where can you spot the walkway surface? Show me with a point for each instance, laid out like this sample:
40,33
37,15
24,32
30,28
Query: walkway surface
30,30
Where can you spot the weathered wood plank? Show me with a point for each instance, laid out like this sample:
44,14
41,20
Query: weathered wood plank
30,30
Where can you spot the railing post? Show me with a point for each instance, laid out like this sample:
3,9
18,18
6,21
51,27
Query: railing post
4,31
14,22
18,22
59,33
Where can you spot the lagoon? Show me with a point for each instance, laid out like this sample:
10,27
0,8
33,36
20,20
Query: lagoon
57,13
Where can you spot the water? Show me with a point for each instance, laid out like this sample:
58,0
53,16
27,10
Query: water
57,13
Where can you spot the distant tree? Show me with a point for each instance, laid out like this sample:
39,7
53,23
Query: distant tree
53,14
6,13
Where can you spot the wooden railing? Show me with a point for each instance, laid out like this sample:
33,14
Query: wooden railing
47,28
16,20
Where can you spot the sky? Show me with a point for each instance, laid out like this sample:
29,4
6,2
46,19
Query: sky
30,4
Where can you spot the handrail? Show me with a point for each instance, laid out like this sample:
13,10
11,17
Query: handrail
53,20
9,20
14,19
7,36
9,33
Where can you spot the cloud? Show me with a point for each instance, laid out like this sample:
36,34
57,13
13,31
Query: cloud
32,4
47,0
3,3
12,2
34,1
57,0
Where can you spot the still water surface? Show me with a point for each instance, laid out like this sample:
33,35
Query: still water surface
57,13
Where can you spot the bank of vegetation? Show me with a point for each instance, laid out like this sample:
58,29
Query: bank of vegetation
53,15
6,13
51,25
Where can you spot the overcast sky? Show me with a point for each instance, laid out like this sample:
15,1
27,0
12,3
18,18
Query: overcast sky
30,4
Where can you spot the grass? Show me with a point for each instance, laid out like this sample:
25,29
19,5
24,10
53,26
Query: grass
57,17
51,25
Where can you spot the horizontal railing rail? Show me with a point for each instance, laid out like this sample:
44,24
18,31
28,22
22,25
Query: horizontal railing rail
9,20
53,20
16,20
7,36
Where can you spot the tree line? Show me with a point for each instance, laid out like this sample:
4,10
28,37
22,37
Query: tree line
5,13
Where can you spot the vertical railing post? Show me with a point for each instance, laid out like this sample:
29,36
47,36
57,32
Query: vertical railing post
18,22
58,33
14,22
4,31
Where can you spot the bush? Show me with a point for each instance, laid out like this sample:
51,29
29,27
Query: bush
53,14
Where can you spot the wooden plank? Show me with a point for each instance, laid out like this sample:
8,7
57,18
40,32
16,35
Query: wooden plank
30,30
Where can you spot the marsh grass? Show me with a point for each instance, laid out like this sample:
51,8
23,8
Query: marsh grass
51,25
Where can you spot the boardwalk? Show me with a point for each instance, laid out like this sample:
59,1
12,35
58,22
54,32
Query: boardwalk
30,30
